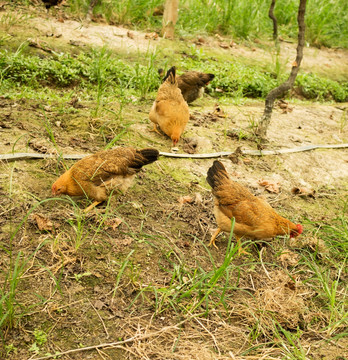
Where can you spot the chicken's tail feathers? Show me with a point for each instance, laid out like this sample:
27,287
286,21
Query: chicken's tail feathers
170,76
216,174
144,157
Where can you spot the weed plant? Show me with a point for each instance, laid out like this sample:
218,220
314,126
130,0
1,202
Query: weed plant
103,74
326,21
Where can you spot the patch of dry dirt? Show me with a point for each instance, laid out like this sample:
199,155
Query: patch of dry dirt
92,34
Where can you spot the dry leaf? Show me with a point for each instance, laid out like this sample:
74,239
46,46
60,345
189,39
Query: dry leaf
270,186
113,223
224,45
99,304
43,223
218,111
294,64
288,257
284,106
74,102
247,161
126,241
185,199
152,36
303,191
130,35
39,145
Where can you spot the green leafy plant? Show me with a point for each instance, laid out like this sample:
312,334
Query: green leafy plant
40,337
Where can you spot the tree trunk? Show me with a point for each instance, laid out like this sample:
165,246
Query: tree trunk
91,6
279,91
274,19
170,17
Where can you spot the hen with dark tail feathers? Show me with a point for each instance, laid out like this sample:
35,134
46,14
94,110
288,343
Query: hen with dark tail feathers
97,176
192,84
254,217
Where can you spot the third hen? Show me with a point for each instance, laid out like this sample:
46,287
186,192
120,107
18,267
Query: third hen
254,217
192,84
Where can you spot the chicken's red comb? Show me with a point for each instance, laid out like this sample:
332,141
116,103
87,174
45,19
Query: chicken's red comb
299,228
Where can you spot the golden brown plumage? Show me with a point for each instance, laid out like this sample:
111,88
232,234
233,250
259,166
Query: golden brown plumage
254,217
170,111
192,84
96,176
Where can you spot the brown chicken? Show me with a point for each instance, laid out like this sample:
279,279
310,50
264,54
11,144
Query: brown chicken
192,84
254,217
98,175
170,111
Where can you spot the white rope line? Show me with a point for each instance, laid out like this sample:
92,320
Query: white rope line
23,156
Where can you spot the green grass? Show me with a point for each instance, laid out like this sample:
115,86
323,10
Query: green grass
326,21
106,76
194,289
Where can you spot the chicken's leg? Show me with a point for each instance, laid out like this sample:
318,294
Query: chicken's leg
213,238
155,129
90,207
240,249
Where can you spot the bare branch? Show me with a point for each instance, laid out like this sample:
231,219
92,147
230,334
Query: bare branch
287,85
274,19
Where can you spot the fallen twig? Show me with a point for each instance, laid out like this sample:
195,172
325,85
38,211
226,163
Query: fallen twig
23,156
263,266
100,318
114,344
210,333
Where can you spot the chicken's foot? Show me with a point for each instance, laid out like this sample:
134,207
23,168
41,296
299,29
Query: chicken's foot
213,238
90,207
155,129
240,249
